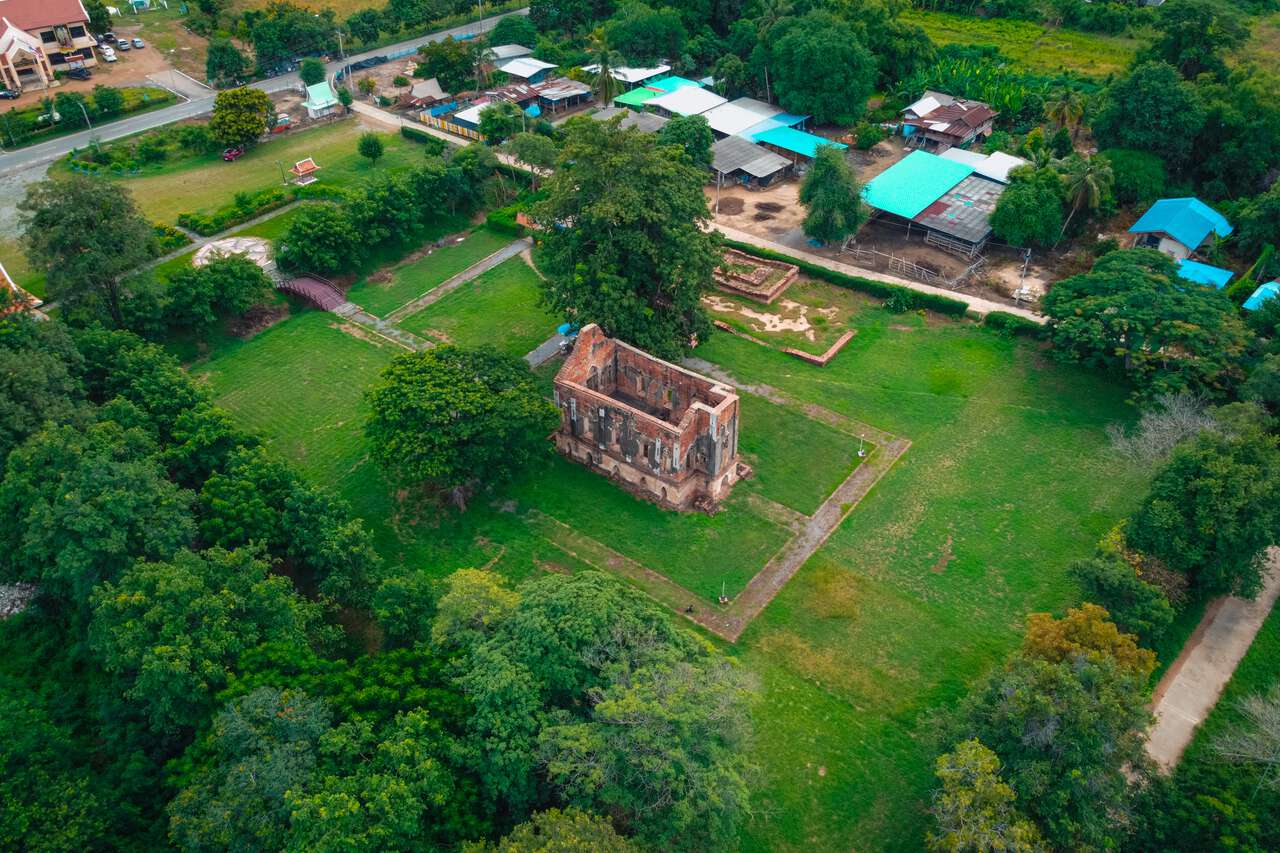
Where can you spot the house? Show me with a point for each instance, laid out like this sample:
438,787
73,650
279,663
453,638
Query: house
939,121
798,146
526,68
423,94
1179,227
40,37
947,199
663,432
321,100
740,161
1209,276
1259,297
685,101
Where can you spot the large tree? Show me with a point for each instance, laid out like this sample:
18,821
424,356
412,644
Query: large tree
1213,510
514,29
224,287
454,419
645,35
1133,313
224,61
451,62
821,68
975,809
623,243
37,377
692,135
1151,96
1029,211
240,115
834,197
1194,35
322,239
84,234
500,121
555,831
172,632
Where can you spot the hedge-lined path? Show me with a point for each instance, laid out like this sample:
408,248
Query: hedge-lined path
977,305
435,294
1190,689
199,242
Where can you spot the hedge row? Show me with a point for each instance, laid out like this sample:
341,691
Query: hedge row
1012,323
250,205
880,289
503,220
434,144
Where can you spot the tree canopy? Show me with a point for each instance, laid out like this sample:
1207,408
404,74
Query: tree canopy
821,68
1152,95
240,115
831,191
1029,211
692,135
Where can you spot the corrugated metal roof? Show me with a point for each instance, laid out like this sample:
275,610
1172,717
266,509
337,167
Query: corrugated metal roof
636,97
647,122
1267,291
790,139
687,101
734,153
964,211
731,118
779,120
629,75
1205,274
913,183
524,67
1187,220
670,84
994,166
509,51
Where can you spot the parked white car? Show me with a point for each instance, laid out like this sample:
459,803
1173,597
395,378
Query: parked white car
108,54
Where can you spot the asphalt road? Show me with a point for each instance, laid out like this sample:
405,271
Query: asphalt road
45,152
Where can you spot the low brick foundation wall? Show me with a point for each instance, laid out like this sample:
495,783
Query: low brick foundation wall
824,359
767,281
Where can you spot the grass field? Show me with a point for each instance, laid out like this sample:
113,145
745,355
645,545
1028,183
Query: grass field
499,307
1033,46
204,183
924,588
823,308
411,280
15,261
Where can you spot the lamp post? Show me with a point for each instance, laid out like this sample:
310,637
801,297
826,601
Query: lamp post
80,104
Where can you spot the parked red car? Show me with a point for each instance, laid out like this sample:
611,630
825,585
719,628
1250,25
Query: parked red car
232,154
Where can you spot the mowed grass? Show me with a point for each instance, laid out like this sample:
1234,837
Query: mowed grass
1031,45
823,311
410,280
919,593
204,183
16,263
499,308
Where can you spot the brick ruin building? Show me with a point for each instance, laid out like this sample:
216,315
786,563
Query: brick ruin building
664,432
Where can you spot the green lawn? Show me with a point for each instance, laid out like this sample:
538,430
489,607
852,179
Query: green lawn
822,310
499,307
203,183
15,261
1031,45
410,280
923,589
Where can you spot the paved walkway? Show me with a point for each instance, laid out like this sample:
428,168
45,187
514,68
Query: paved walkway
380,327
440,291
201,242
545,351
1191,687
977,305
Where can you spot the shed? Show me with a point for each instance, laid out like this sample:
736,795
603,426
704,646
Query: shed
1259,297
797,143
321,100
686,101
741,161
561,93
1210,276
1179,226
913,183
647,122
636,98
505,52
526,68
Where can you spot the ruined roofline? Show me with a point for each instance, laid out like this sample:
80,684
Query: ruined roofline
675,430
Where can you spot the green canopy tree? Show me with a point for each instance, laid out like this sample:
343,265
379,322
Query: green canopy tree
606,57
500,121
1194,35
451,62
38,384
1088,183
831,191
84,234
821,67
365,24
1212,511
514,29
311,71
240,115
171,632
1151,95
975,809
453,419
635,259
1137,176
555,831
370,147
645,35
321,239
535,150
223,287
1136,606
1134,313
692,135
1029,211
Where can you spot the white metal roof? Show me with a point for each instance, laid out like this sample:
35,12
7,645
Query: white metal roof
738,115
994,166
509,51
687,101
471,114
630,75
524,67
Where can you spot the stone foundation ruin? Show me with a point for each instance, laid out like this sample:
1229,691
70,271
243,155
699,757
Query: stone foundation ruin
665,433
754,278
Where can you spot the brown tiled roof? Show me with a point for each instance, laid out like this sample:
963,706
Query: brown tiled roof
38,14
960,117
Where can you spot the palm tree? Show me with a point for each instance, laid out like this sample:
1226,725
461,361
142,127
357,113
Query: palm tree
1088,182
603,55
1066,110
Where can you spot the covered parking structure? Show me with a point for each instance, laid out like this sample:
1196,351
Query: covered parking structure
740,161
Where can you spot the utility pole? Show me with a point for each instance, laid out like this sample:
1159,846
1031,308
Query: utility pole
342,55
80,104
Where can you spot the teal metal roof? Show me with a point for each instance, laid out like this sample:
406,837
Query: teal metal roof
670,84
1204,274
913,183
790,139
320,95
1270,290
636,97
1187,220
779,120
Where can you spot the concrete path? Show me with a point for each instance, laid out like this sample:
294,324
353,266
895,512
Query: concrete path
380,327
201,242
440,291
46,151
1191,687
545,351
977,305
180,84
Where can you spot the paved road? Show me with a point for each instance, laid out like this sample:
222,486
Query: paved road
1191,688
46,151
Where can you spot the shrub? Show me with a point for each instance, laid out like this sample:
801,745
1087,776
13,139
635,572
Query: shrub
1135,606
503,221
879,289
433,144
1012,324
1139,176
168,238
868,135
246,206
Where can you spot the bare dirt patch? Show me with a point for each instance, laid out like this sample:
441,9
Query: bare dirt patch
731,206
768,207
941,565
789,316
256,320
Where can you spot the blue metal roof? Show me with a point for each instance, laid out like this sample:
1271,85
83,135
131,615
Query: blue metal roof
1270,290
1187,220
1204,273
779,120
671,83
913,183
790,139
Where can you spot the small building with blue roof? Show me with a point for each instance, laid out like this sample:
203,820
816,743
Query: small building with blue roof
1209,276
1258,298
1179,226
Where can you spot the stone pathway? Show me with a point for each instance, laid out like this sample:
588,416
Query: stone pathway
440,291
382,328
1190,689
